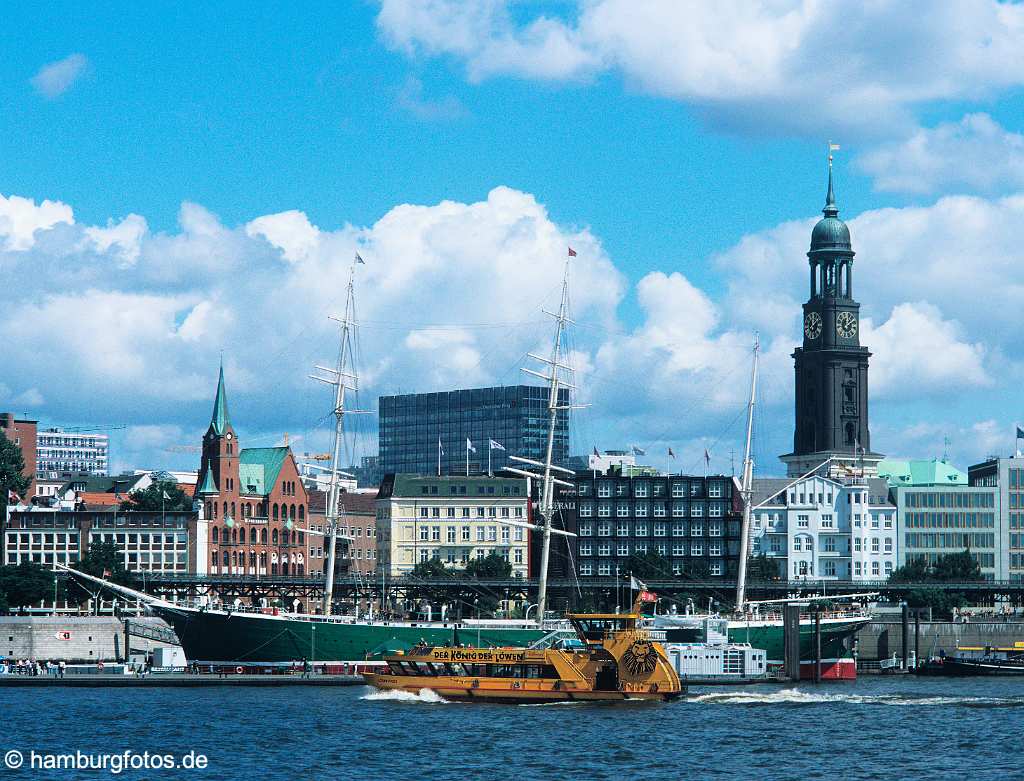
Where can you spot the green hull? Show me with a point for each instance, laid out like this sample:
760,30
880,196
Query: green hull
246,638
769,636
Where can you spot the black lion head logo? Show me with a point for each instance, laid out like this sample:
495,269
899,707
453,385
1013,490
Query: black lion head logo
640,658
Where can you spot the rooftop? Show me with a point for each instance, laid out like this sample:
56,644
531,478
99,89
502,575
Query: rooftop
920,472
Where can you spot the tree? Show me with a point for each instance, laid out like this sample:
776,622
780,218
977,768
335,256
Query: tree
12,466
24,584
948,568
648,565
152,498
491,566
761,568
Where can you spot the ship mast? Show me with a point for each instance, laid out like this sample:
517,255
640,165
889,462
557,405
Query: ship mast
547,485
747,489
343,379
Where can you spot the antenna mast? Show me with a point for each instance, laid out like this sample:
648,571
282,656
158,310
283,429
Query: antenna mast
747,490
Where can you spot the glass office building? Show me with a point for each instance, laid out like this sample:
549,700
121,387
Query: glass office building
516,417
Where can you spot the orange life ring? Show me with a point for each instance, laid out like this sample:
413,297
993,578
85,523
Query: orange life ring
239,670
99,665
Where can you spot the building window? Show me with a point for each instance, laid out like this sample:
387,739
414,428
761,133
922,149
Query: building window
465,534
604,568
585,549
678,490
604,530
586,509
715,489
604,549
586,568
678,529
622,530
716,568
696,529
586,529
641,509
715,548
696,549
715,529
642,489
659,530
604,489
450,534
622,549
604,510
679,549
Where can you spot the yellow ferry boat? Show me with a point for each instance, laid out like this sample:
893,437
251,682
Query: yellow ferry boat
614,659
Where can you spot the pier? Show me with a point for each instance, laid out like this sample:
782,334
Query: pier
175,680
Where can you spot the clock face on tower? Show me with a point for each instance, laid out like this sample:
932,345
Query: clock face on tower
812,325
846,325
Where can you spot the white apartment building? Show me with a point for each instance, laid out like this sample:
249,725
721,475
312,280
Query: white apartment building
59,451
822,528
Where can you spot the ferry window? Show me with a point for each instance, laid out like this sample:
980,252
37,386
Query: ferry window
458,669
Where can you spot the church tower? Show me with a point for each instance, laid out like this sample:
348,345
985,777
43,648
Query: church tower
831,365
218,470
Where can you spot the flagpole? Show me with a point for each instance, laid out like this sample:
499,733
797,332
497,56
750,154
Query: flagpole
467,458
489,449
438,456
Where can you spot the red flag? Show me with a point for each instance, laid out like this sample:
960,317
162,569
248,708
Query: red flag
572,252
648,596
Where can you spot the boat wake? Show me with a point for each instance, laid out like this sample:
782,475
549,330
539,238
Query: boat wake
798,697
425,696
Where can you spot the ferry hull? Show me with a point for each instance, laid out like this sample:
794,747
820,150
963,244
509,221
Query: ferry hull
467,691
230,638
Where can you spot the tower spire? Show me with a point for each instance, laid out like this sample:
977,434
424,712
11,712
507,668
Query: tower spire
220,420
830,210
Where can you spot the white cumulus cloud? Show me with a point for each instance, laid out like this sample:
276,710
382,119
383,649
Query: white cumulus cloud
795,66
974,154
56,78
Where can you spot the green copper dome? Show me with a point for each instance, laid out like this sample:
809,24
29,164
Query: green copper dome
831,233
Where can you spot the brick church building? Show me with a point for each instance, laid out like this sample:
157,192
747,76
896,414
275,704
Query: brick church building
254,503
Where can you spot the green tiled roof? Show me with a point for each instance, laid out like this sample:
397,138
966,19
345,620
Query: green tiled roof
220,419
920,472
209,486
258,468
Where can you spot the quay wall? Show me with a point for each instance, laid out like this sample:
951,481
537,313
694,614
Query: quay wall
72,638
881,639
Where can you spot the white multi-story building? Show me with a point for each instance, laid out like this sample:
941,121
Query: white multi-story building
451,519
59,451
821,528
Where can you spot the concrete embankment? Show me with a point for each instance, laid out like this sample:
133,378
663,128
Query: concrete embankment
75,638
881,639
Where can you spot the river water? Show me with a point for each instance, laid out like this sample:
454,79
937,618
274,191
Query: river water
874,728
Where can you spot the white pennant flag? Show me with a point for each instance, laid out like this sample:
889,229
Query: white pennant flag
469,446
496,445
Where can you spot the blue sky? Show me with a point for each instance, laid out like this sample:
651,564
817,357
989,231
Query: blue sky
687,167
